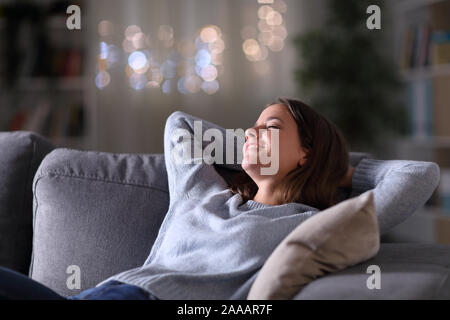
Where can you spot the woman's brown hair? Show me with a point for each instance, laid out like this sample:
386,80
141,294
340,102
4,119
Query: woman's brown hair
316,182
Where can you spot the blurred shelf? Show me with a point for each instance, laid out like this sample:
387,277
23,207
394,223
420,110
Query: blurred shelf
432,149
69,142
426,142
425,72
435,212
70,93
407,5
50,83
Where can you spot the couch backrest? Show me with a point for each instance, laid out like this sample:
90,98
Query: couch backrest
96,211
98,214
21,152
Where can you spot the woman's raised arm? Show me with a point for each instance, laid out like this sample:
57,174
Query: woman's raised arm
400,187
189,154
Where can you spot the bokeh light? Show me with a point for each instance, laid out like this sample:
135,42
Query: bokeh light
280,31
193,83
180,86
155,75
208,35
203,58
210,87
186,48
277,44
166,87
280,6
138,81
274,18
102,64
152,84
251,47
138,40
270,34
263,26
160,61
165,33
168,69
217,46
131,30
103,50
113,55
217,59
102,79
105,28
128,45
137,60
209,73
264,11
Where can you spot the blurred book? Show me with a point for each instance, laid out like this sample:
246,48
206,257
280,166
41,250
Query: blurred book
429,106
440,22
75,124
440,49
66,63
416,47
38,117
56,128
444,190
440,12
17,120
441,105
420,106
72,66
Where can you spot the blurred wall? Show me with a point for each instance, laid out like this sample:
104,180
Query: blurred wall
133,121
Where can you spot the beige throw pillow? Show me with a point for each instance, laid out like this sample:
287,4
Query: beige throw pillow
333,239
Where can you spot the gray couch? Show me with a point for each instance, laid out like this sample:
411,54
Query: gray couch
101,212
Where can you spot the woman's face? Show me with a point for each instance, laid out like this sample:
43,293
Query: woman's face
287,150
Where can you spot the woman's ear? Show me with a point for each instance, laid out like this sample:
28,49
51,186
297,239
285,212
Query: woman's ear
303,158
301,161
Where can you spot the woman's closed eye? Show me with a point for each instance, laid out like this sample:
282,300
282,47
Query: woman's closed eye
275,127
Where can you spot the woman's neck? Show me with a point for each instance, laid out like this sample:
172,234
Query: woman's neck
265,195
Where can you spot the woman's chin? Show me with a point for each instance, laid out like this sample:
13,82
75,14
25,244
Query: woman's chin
249,168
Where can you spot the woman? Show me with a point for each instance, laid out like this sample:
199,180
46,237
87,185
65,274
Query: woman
215,236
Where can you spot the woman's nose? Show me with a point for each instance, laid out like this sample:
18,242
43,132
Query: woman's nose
250,132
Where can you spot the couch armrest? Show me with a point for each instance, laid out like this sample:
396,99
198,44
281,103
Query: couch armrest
98,211
356,157
21,152
407,271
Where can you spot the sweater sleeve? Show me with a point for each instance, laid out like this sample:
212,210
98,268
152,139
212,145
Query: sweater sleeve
400,187
189,155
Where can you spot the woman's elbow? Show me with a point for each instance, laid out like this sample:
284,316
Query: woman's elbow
424,175
433,174
175,117
428,174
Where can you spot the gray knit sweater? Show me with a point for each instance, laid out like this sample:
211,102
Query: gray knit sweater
211,244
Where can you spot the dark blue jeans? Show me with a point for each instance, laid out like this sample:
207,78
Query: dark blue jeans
16,286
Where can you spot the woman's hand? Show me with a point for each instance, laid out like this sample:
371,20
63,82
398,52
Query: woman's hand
347,180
